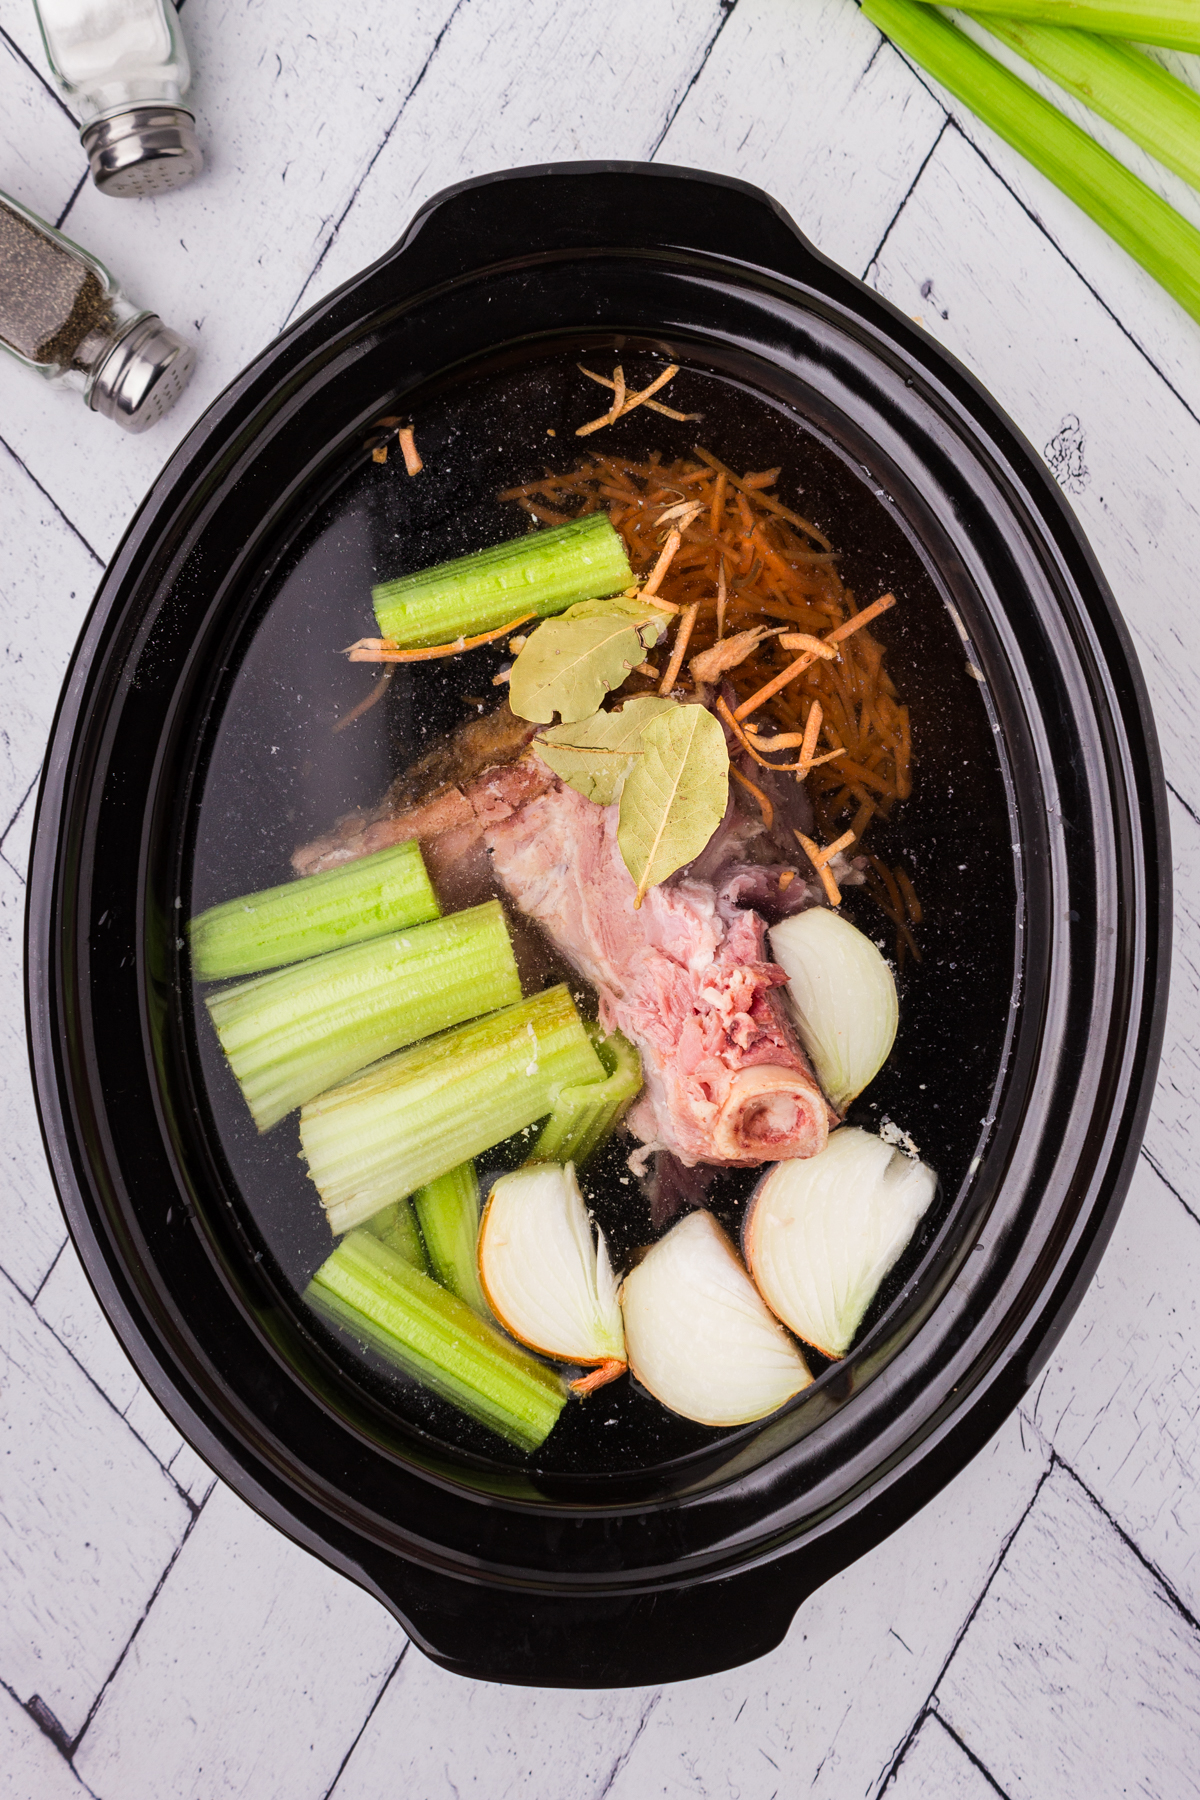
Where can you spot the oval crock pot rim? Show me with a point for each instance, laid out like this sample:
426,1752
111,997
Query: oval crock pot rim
1074,1271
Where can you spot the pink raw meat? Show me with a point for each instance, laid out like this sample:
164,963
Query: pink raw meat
683,977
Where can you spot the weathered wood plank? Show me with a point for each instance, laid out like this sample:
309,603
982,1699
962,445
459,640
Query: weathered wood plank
1118,1401
31,1225
31,1768
1077,1677
996,292
251,1675
495,97
43,156
826,1713
441,1737
936,1767
86,1531
804,102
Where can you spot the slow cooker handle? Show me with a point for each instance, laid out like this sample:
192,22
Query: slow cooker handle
577,207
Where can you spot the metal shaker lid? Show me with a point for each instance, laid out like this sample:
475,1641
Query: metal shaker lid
142,150
143,374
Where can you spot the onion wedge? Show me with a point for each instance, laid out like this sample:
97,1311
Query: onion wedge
842,996
820,1235
698,1334
545,1279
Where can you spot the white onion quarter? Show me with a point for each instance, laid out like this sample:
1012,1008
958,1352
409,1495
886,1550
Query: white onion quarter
842,996
821,1234
545,1279
697,1332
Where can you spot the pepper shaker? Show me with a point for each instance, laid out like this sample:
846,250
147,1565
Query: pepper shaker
122,65
63,315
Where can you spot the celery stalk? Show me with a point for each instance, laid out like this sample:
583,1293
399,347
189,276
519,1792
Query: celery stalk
586,1114
435,1337
1132,91
542,572
321,912
396,1226
1142,223
448,1209
1175,23
295,1032
410,1119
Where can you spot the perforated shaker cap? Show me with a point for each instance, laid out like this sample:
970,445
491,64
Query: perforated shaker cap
143,150
143,375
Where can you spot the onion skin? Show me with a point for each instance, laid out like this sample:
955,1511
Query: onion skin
820,1235
548,1283
698,1334
841,996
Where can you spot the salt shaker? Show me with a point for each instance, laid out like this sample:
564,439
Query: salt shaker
123,66
63,315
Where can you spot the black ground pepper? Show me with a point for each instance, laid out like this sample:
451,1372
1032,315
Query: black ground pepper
50,300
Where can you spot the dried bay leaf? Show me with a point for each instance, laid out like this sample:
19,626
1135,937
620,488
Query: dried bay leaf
675,795
570,663
594,755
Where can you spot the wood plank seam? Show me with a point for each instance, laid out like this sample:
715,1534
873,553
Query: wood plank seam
15,816
15,50
631,1746
35,1708
1170,1186
730,8
384,1685
379,150
878,250
931,1716
47,495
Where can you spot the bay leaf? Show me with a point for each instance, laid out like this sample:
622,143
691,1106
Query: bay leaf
646,615
594,755
675,795
568,664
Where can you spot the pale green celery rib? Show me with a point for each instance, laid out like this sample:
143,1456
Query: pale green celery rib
410,1119
586,1115
1132,91
542,572
359,900
435,1337
1173,23
1141,222
396,1226
292,1034
448,1209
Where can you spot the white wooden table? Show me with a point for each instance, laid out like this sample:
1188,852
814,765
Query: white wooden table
1033,1632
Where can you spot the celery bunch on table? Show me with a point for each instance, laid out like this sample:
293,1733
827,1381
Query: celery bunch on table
1172,23
1132,214
293,1033
421,1112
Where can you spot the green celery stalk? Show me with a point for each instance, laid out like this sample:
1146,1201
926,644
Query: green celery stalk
396,1226
435,1337
1175,23
295,1032
448,1209
410,1119
586,1114
1132,91
542,572
361,899
1141,222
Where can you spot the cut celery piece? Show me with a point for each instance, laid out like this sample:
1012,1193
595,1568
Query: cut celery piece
1175,23
292,1034
448,1209
361,899
396,1226
1143,224
586,1114
542,572
408,1120
435,1337
1131,91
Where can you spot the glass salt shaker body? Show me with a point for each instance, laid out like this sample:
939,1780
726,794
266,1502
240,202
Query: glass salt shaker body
63,316
123,66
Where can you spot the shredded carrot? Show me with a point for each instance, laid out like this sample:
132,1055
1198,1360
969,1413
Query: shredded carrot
409,451
597,1378
662,565
687,620
376,694
384,649
765,807
818,860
